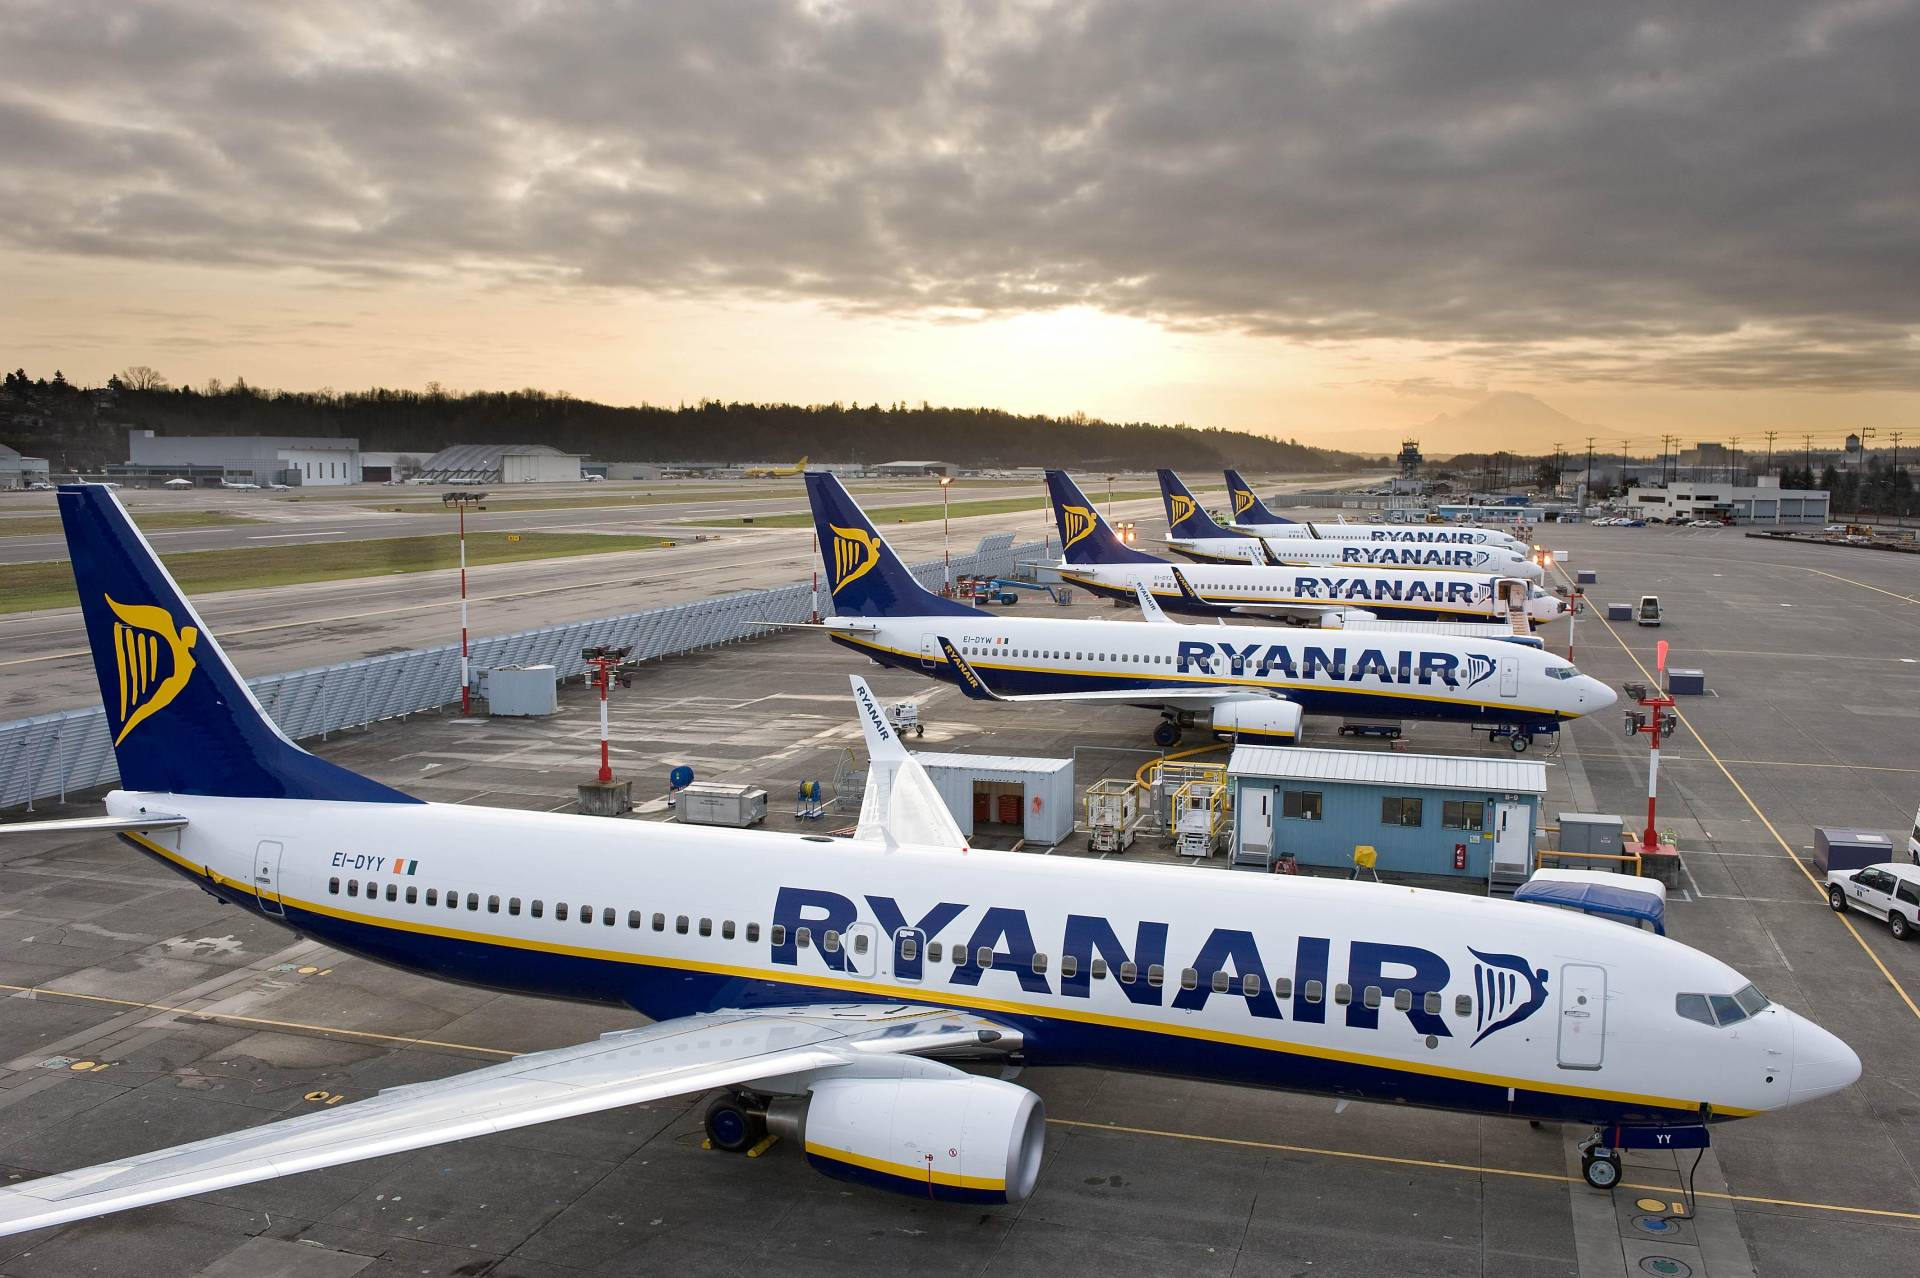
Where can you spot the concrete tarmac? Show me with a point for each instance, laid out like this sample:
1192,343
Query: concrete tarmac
143,1013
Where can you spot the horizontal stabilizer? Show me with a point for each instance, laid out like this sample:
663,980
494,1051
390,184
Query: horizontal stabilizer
95,825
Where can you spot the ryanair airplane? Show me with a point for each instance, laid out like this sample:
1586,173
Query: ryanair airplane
1343,593
824,988
1253,683
1203,540
1251,516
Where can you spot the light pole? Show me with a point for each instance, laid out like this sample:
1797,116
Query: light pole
946,548
460,502
1109,498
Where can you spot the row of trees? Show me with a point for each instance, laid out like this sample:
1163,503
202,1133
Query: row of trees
424,421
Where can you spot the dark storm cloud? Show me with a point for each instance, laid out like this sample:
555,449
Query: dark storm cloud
1685,195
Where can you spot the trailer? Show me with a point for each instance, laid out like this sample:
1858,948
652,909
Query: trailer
1390,729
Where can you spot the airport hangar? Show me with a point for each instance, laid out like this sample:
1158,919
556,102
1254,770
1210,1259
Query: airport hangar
175,1019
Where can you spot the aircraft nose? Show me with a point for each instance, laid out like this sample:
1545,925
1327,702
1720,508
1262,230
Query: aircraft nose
1597,695
1822,1063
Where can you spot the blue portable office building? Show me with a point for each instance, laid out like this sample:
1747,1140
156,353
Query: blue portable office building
1422,813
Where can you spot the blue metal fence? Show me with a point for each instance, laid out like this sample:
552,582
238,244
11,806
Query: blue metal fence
48,755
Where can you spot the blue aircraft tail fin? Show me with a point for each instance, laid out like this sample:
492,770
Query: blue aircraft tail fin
1085,537
864,577
1186,518
181,718
1247,508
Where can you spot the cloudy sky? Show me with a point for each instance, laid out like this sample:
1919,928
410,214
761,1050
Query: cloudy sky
1311,218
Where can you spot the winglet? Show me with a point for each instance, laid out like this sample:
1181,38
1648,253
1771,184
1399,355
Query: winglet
1150,609
1187,593
965,675
900,805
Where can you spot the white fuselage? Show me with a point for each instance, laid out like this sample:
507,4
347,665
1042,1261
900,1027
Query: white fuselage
1359,552
1436,533
1351,671
1363,990
1404,593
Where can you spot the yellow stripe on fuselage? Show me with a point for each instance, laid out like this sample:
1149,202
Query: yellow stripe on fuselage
947,998
1147,694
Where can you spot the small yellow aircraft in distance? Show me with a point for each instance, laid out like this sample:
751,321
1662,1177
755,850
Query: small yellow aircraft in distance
777,472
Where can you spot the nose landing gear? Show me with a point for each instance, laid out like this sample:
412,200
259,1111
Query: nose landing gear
1599,1163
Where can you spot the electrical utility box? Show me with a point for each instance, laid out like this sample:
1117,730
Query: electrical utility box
522,691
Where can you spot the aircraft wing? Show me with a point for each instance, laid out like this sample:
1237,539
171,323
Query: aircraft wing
629,1067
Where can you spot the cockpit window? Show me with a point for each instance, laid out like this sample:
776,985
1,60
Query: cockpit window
1721,1009
1693,1007
1562,672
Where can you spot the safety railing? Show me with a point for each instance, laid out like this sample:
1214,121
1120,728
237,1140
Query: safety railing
49,755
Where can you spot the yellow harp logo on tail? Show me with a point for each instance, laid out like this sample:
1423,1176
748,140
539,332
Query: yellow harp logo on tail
855,552
1080,522
1242,502
154,661
1182,507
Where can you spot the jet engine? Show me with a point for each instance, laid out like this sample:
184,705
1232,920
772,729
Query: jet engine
1258,720
1340,618
963,1139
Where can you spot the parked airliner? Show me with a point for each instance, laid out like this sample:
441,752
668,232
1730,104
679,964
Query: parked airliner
825,983
1095,558
1254,682
1250,515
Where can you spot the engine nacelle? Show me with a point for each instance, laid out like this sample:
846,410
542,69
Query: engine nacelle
963,1139
1341,618
1258,721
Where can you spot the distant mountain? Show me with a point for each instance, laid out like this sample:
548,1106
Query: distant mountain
1509,421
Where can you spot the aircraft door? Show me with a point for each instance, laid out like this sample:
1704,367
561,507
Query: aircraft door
266,877
909,954
1583,1015
861,943
929,650
1509,677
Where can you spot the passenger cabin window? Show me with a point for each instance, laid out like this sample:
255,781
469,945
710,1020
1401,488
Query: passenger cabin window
586,914
513,905
660,925
433,896
680,925
606,915
413,895
393,891
803,937
1156,975
1098,969
1343,993
1371,996
933,951
473,900
1314,991
726,930
753,931
536,908
1069,966
1463,1005
333,887
353,887
778,933
493,905
560,911
634,918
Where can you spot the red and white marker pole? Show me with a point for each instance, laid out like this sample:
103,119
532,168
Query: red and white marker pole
606,762
1659,702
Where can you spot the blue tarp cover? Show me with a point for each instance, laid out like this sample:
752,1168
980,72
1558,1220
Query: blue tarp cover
1598,898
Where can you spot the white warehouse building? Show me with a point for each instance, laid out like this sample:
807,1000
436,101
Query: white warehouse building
308,461
500,464
1765,503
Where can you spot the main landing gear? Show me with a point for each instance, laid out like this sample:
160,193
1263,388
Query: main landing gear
1599,1164
735,1124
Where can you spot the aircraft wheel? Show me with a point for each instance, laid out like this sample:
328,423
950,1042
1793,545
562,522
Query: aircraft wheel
1166,733
1520,742
732,1127
1601,1169
1837,899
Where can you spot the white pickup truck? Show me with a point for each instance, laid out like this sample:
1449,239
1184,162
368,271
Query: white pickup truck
1890,892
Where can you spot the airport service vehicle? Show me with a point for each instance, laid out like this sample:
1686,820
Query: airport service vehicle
823,986
1890,891
1253,683
1250,515
1913,841
1647,611
1094,557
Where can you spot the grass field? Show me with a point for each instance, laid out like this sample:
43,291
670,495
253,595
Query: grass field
884,515
603,501
26,587
40,525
